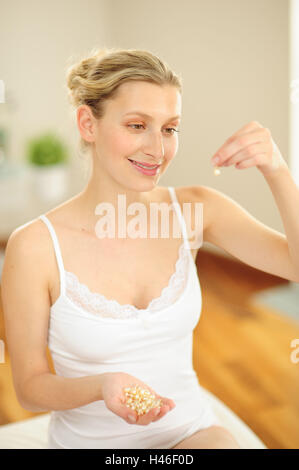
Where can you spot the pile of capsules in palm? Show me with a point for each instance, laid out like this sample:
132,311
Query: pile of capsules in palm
140,399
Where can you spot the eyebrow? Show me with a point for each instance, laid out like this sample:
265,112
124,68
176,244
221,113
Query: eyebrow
150,117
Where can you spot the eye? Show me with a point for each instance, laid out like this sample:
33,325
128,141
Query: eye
171,129
130,125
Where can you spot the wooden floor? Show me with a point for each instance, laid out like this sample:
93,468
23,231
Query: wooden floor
241,353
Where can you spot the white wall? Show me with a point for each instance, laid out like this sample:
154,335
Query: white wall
37,41
233,56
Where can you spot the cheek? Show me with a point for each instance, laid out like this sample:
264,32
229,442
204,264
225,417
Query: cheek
171,150
122,145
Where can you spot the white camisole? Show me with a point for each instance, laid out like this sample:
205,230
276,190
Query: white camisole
89,334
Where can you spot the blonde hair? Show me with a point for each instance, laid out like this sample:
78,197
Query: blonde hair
96,78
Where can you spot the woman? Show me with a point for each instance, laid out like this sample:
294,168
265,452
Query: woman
120,311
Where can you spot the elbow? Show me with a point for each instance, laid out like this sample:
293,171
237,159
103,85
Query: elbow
28,396
31,407
28,404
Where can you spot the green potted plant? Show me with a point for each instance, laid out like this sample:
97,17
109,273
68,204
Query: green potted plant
48,158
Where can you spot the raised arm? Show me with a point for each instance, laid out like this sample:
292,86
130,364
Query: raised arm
232,228
235,230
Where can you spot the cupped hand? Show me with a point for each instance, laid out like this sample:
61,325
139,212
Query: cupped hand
114,396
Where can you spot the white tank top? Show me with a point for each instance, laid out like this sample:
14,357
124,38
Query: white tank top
89,334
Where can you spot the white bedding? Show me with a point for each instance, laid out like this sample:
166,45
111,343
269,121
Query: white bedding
32,433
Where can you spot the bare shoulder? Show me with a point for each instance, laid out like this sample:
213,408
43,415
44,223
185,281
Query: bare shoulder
193,194
31,234
31,241
216,204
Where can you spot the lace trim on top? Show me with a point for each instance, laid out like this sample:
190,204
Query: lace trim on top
98,304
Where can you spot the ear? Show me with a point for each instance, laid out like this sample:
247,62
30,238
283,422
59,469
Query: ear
86,123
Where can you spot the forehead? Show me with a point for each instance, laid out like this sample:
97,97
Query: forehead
149,98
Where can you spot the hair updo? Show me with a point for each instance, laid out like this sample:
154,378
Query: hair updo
96,78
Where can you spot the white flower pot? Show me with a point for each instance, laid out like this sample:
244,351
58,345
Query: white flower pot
51,182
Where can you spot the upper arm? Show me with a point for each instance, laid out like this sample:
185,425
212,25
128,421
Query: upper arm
26,304
232,228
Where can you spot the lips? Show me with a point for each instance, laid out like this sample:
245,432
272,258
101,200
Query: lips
144,164
146,170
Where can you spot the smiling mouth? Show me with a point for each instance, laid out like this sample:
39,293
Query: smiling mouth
143,165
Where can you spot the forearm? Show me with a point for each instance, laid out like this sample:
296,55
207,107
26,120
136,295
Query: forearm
286,195
47,392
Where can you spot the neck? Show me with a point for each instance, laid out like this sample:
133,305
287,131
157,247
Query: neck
103,189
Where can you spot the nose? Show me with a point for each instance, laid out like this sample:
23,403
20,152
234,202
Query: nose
155,147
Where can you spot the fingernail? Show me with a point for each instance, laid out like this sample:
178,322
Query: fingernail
215,160
132,418
156,412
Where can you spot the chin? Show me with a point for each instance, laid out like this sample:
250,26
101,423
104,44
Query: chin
143,186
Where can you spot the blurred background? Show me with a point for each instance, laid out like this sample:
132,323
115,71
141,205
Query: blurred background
239,60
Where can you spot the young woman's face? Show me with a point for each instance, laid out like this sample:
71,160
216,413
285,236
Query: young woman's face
123,134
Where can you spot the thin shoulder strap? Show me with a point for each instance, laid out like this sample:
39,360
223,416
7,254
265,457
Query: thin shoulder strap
179,213
57,251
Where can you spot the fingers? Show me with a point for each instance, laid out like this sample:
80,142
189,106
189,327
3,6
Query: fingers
168,405
168,402
118,407
148,418
162,412
155,414
124,410
247,128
